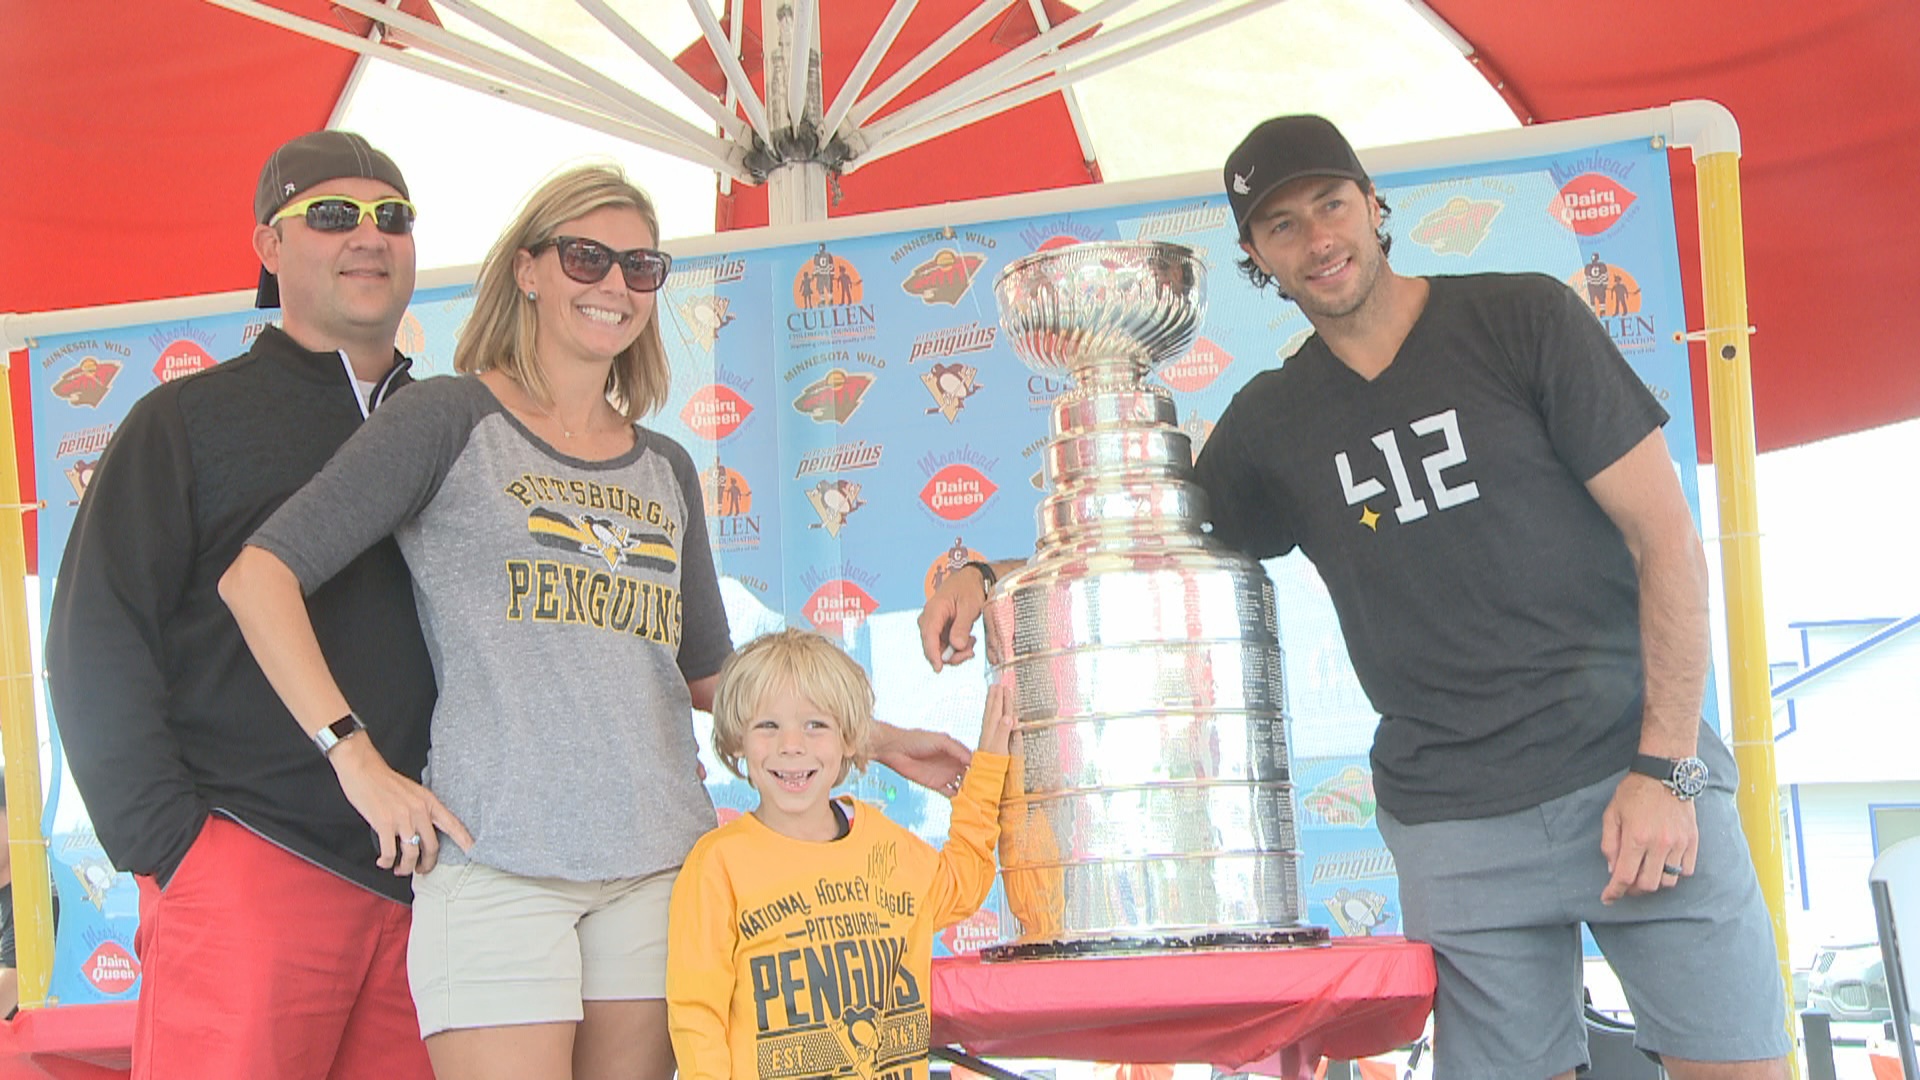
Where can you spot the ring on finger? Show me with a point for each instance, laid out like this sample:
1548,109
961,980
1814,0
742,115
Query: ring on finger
412,840
1672,870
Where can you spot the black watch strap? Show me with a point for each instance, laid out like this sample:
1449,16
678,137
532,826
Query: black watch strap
1686,777
987,576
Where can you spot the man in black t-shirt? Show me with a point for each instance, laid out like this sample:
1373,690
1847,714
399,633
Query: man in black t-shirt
1482,483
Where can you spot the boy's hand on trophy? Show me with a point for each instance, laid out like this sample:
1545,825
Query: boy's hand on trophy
996,724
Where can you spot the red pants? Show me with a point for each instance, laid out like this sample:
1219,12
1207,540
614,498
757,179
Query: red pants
256,964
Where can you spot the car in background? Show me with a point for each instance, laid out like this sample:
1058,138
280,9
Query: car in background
1849,984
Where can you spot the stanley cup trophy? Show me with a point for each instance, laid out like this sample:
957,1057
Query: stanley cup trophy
1150,805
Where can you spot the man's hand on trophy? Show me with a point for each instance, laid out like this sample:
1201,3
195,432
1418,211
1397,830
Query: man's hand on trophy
946,623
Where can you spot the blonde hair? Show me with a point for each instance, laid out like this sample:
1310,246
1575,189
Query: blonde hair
812,667
501,331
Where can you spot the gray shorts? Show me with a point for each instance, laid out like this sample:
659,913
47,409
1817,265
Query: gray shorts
1501,901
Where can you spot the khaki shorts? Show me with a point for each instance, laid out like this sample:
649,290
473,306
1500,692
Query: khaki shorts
490,948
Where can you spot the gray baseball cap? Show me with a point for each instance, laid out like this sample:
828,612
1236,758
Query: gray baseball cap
304,162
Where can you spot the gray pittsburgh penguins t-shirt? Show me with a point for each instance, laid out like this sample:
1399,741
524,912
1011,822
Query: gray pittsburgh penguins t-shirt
566,604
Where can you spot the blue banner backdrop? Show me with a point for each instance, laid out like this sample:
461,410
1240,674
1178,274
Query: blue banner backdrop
862,430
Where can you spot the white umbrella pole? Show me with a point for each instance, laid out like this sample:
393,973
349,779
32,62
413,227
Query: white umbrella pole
796,190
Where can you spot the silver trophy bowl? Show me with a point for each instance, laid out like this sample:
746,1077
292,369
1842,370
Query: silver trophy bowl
1151,805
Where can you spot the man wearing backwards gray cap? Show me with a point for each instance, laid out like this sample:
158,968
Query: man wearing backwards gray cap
1481,481
273,925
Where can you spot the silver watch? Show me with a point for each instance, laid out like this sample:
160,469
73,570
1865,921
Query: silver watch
329,737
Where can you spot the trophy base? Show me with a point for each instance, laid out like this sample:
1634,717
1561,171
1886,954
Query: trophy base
1208,941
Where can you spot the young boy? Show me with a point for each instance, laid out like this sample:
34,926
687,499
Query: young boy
801,935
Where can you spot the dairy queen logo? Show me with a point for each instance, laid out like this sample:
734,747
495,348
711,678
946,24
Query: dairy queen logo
180,359
1196,370
111,969
1591,203
957,492
838,607
715,412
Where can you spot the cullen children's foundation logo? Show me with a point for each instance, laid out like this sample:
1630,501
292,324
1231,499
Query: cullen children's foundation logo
725,491
84,384
1458,227
728,501
949,561
715,411
1609,289
827,280
1613,294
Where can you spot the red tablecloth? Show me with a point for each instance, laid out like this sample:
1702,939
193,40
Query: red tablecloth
68,1042
1278,1010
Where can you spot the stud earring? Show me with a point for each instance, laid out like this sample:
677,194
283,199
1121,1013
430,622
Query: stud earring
532,296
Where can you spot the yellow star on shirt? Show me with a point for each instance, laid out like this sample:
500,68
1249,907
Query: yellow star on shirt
1368,518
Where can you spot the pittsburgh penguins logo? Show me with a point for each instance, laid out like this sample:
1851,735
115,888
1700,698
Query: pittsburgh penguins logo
610,541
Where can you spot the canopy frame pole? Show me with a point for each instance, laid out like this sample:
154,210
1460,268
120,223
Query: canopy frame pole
646,50
505,90
728,54
989,77
20,732
1072,100
923,62
1710,132
797,181
1073,69
627,100
870,58
436,41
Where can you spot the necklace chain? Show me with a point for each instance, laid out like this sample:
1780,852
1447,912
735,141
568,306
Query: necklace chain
551,414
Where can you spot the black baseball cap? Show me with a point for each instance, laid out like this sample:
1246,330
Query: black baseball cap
1282,149
304,162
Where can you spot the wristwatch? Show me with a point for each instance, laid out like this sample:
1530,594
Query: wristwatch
329,737
987,576
1686,777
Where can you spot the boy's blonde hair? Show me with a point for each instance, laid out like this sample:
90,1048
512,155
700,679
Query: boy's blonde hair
816,669
500,331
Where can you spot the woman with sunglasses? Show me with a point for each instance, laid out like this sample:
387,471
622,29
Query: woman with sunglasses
560,562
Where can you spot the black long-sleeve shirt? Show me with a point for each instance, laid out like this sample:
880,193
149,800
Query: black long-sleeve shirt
164,714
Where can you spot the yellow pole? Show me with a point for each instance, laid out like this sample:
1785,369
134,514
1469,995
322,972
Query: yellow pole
1723,277
20,734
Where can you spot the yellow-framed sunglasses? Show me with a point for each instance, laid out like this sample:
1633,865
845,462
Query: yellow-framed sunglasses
392,215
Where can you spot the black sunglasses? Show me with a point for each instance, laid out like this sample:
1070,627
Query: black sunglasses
338,213
587,261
